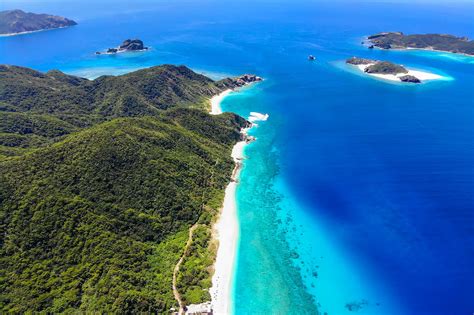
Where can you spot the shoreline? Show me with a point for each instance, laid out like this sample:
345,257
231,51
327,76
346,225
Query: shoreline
226,228
216,102
421,75
30,32
435,50
226,232
366,41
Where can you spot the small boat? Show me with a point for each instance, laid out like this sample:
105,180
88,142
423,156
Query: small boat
311,58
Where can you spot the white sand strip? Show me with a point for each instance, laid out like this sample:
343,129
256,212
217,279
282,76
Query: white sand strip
423,76
227,230
30,32
216,102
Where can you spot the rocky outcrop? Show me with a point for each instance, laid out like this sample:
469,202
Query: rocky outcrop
246,79
232,83
17,22
409,79
127,45
132,44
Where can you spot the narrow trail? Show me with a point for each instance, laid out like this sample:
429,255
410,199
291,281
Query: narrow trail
176,294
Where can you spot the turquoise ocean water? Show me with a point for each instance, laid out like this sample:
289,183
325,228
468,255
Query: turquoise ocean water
358,195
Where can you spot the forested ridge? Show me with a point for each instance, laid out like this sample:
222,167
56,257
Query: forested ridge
99,183
442,42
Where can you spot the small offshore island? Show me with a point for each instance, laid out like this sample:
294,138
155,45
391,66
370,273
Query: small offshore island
439,42
15,22
127,45
390,71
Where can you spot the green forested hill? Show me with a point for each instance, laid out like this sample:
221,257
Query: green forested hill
71,102
443,42
136,93
95,208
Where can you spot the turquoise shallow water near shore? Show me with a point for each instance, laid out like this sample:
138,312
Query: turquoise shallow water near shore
287,261
357,196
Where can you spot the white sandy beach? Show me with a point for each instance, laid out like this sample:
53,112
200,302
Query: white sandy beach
227,230
227,227
423,76
216,102
30,32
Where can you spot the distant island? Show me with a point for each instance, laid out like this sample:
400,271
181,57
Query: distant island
127,45
391,71
14,22
441,42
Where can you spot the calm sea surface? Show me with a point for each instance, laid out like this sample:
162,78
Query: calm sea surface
358,196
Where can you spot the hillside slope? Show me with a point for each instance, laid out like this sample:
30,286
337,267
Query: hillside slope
442,42
39,108
99,183
18,21
96,221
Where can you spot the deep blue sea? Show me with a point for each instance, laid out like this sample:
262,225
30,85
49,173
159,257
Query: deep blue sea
358,195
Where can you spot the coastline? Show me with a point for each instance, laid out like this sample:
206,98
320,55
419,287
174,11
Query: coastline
30,32
435,50
226,231
226,228
216,102
366,41
422,75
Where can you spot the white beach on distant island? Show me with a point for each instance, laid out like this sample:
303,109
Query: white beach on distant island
226,230
30,32
421,75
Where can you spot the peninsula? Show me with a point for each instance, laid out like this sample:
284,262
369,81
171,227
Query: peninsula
15,22
440,42
110,188
390,71
127,45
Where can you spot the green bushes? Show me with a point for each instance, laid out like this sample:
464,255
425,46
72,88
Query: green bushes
194,278
96,221
99,183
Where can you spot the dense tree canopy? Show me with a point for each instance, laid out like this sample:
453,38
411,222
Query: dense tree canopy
95,204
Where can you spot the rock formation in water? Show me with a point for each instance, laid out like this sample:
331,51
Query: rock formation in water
127,45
